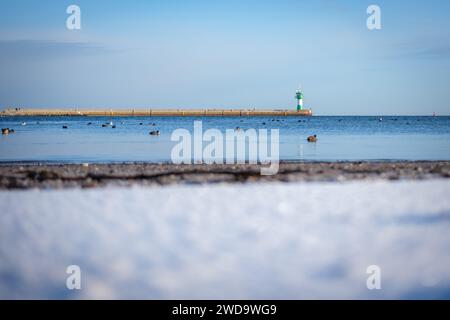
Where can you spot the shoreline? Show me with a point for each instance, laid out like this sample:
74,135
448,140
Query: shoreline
58,176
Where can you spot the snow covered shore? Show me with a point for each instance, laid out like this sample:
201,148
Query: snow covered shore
291,240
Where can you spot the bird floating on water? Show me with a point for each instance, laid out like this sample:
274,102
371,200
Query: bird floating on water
312,138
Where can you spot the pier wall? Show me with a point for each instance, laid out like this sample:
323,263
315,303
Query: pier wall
154,112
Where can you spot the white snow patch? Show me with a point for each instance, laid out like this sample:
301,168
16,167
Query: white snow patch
292,241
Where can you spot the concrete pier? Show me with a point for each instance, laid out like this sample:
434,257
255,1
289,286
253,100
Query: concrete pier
155,112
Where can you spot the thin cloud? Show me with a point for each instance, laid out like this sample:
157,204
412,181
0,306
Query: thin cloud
422,49
32,49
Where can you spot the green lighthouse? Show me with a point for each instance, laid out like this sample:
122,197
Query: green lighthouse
299,96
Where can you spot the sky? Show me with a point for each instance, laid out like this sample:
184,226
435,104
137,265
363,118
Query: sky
227,54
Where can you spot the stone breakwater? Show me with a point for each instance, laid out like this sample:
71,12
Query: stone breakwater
154,112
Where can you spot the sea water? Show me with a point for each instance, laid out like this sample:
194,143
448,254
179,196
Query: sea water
340,138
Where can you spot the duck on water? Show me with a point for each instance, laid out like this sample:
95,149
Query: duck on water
312,138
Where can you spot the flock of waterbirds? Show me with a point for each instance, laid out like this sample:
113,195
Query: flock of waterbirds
111,124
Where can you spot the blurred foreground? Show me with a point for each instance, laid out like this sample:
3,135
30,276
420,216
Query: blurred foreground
292,241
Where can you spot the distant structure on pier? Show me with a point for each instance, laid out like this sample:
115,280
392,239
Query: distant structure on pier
299,97
150,112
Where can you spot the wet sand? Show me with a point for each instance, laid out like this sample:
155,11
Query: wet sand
56,176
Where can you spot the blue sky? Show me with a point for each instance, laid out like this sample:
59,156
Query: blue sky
227,54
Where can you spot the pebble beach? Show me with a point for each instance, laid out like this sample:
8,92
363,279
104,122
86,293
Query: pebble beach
38,175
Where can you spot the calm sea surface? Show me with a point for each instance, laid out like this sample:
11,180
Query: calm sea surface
339,137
